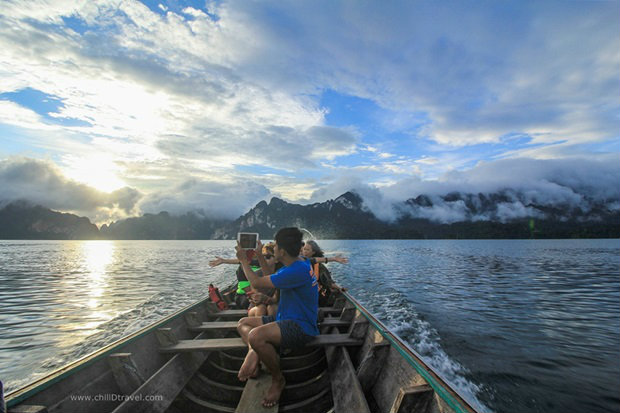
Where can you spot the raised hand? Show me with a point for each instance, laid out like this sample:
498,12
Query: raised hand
259,248
241,254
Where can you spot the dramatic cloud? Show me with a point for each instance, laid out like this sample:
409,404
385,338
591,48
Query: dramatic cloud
210,199
42,183
467,73
309,99
511,186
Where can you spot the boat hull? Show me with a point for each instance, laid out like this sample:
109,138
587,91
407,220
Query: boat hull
188,362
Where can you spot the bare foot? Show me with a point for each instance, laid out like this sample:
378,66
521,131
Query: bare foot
249,366
256,371
273,394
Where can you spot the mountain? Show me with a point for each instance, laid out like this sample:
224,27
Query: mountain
20,220
504,214
341,218
163,226
506,205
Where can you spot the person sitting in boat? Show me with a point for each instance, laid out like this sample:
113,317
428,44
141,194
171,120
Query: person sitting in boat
243,285
327,285
264,301
295,323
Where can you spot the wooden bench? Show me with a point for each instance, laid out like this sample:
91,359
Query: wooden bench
323,311
217,344
238,314
232,325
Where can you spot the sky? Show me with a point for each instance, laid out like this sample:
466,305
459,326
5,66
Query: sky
111,109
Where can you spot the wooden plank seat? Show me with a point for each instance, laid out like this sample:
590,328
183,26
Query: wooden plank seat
217,344
215,326
229,314
232,325
237,314
330,310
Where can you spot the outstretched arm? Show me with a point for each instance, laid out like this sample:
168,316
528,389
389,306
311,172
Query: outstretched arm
219,260
337,258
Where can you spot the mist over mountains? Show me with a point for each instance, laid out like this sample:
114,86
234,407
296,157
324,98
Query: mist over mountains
507,213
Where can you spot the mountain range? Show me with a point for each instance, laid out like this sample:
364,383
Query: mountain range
504,214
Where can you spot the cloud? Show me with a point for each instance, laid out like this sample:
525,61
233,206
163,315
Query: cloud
478,71
249,71
181,97
551,180
499,190
163,81
210,199
279,147
41,182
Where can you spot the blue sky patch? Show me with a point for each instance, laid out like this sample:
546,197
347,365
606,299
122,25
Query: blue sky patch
76,24
34,100
346,110
42,104
162,7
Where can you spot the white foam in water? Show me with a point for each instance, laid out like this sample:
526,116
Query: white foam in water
401,318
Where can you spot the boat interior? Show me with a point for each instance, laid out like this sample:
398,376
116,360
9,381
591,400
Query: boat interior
188,363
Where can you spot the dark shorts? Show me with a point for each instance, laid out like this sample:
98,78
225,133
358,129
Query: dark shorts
293,337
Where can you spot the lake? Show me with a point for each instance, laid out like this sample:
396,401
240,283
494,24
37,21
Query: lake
514,325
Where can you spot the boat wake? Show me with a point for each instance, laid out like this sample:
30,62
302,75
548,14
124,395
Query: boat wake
401,317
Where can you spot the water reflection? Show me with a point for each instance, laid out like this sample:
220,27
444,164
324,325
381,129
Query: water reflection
61,300
97,256
85,284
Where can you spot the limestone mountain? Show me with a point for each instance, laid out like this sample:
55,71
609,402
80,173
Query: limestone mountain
21,220
503,214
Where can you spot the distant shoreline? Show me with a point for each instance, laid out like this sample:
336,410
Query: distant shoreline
336,220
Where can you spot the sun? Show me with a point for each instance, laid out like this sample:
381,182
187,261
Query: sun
97,171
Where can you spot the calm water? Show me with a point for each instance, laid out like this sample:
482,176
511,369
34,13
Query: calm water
516,326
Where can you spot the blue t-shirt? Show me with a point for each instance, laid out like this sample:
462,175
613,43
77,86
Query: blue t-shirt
299,295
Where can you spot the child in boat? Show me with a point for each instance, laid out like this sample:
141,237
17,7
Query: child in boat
295,323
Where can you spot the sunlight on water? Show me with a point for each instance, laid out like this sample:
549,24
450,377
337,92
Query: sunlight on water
61,300
513,325
88,281
97,255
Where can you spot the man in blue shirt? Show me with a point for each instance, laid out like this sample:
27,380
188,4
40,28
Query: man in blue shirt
295,323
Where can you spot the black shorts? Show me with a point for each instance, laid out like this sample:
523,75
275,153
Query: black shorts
293,337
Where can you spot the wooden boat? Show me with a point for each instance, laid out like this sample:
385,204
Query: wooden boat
188,363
